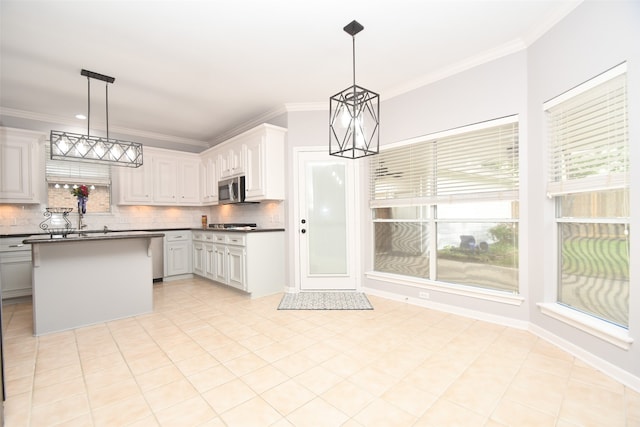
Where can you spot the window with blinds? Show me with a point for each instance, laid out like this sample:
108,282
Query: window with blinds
588,148
62,176
478,162
75,172
588,141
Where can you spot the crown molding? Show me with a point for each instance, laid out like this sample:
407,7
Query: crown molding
245,126
50,118
561,10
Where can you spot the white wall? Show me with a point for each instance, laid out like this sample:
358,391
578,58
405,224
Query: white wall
594,37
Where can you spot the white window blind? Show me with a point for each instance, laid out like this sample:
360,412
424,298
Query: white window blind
75,172
588,140
478,162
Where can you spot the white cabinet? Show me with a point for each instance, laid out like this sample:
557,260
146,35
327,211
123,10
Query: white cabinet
236,257
188,191
177,250
15,267
166,178
209,261
250,261
264,163
136,184
21,168
198,258
231,160
209,184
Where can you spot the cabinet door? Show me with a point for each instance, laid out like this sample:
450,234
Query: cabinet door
15,274
209,180
220,265
231,161
178,258
136,185
209,261
254,170
188,181
164,180
236,258
198,258
19,172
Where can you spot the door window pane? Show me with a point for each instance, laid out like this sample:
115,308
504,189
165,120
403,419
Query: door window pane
327,226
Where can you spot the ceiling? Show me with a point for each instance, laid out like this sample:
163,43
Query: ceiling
189,74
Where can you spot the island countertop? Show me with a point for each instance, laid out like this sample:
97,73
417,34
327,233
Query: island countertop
79,237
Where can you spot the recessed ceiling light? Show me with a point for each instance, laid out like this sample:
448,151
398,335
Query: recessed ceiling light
81,117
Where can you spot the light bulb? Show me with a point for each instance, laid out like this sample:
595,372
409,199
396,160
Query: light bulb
99,150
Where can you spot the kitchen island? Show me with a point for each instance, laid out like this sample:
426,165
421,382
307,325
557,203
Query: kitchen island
83,279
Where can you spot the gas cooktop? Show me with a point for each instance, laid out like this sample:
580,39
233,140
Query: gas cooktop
233,225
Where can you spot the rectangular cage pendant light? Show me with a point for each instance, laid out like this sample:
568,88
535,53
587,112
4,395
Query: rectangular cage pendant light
96,149
354,115
68,146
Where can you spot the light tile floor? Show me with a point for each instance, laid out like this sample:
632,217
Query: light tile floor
210,356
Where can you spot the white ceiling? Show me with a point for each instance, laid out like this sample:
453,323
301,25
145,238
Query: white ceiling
191,73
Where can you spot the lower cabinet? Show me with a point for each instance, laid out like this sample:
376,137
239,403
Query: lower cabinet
252,262
198,258
177,253
16,268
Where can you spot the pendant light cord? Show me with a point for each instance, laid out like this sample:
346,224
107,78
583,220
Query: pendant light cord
106,91
88,105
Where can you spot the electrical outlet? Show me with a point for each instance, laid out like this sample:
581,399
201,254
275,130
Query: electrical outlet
424,295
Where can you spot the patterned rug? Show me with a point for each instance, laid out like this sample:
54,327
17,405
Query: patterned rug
325,301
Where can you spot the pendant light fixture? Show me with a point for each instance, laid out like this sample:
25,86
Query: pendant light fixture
95,149
354,115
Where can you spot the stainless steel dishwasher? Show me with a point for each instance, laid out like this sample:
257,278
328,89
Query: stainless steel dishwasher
157,260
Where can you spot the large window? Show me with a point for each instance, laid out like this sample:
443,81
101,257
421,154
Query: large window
445,207
589,181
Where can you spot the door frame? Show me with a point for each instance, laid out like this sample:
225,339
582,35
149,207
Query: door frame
357,245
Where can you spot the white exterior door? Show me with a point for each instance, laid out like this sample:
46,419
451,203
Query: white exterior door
326,212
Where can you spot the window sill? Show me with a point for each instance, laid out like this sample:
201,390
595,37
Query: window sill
608,332
449,288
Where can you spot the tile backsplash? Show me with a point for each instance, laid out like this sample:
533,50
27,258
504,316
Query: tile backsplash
23,219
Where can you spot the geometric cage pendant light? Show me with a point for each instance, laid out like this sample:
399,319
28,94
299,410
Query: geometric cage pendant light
354,115
95,149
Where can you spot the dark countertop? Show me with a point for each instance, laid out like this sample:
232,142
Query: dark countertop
238,230
76,237
46,235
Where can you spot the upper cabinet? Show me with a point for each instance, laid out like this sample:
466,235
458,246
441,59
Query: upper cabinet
170,177
209,179
21,169
230,161
166,178
258,154
264,154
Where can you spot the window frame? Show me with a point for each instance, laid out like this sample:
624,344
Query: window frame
590,323
431,204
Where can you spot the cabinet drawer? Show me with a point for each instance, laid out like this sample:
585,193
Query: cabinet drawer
199,236
12,244
220,238
177,236
236,239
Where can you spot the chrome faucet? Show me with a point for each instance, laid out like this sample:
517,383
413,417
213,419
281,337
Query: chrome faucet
80,224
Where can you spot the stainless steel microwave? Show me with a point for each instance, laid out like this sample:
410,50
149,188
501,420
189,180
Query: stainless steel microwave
231,190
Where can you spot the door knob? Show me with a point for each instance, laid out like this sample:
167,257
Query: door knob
303,231
304,221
